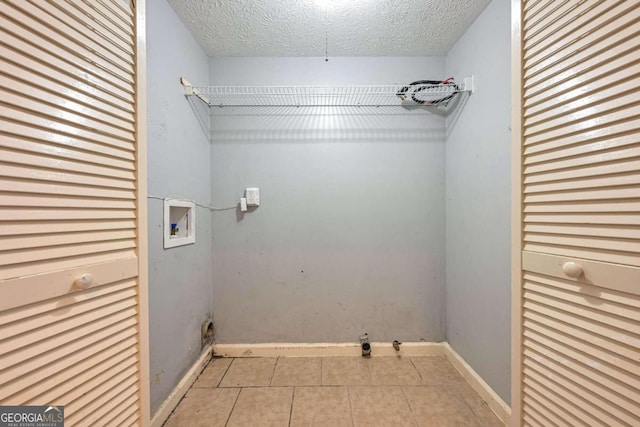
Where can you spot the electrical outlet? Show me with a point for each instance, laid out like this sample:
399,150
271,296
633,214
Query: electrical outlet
253,196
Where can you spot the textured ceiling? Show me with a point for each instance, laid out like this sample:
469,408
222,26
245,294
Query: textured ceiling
354,27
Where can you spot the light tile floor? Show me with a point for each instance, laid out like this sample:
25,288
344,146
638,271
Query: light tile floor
332,392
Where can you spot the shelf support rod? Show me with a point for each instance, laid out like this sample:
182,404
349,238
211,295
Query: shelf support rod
189,90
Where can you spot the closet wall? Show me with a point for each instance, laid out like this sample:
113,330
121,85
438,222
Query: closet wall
355,230
478,202
178,162
349,237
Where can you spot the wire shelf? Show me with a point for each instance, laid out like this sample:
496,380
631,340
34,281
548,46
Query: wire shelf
319,96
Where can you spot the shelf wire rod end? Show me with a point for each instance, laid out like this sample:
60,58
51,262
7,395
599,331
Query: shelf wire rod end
469,84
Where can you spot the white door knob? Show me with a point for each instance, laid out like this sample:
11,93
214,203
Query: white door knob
572,269
84,281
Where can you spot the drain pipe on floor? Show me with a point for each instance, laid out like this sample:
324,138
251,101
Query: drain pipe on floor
366,347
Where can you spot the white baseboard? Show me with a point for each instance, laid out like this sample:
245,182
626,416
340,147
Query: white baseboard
170,403
497,405
326,349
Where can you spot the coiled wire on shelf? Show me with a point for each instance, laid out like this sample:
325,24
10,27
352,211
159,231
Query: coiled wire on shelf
447,89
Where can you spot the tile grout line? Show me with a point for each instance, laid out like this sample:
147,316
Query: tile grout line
321,363
235,402
368,365
413,415
224,374
273,373
293,398
417,370
267,386
455,388
353,423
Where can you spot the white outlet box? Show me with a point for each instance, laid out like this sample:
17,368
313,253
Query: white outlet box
253,196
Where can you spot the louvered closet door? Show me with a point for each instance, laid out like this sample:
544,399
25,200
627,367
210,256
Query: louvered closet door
577,323
72,204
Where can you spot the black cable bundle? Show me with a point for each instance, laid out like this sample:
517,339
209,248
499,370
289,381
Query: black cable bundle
420,85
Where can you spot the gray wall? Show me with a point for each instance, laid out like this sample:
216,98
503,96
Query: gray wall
349,237
179,165
478,204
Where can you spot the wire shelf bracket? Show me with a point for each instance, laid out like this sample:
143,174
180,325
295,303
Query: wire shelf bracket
190,90
434,95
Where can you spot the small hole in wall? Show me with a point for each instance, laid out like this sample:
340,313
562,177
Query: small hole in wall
207,332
